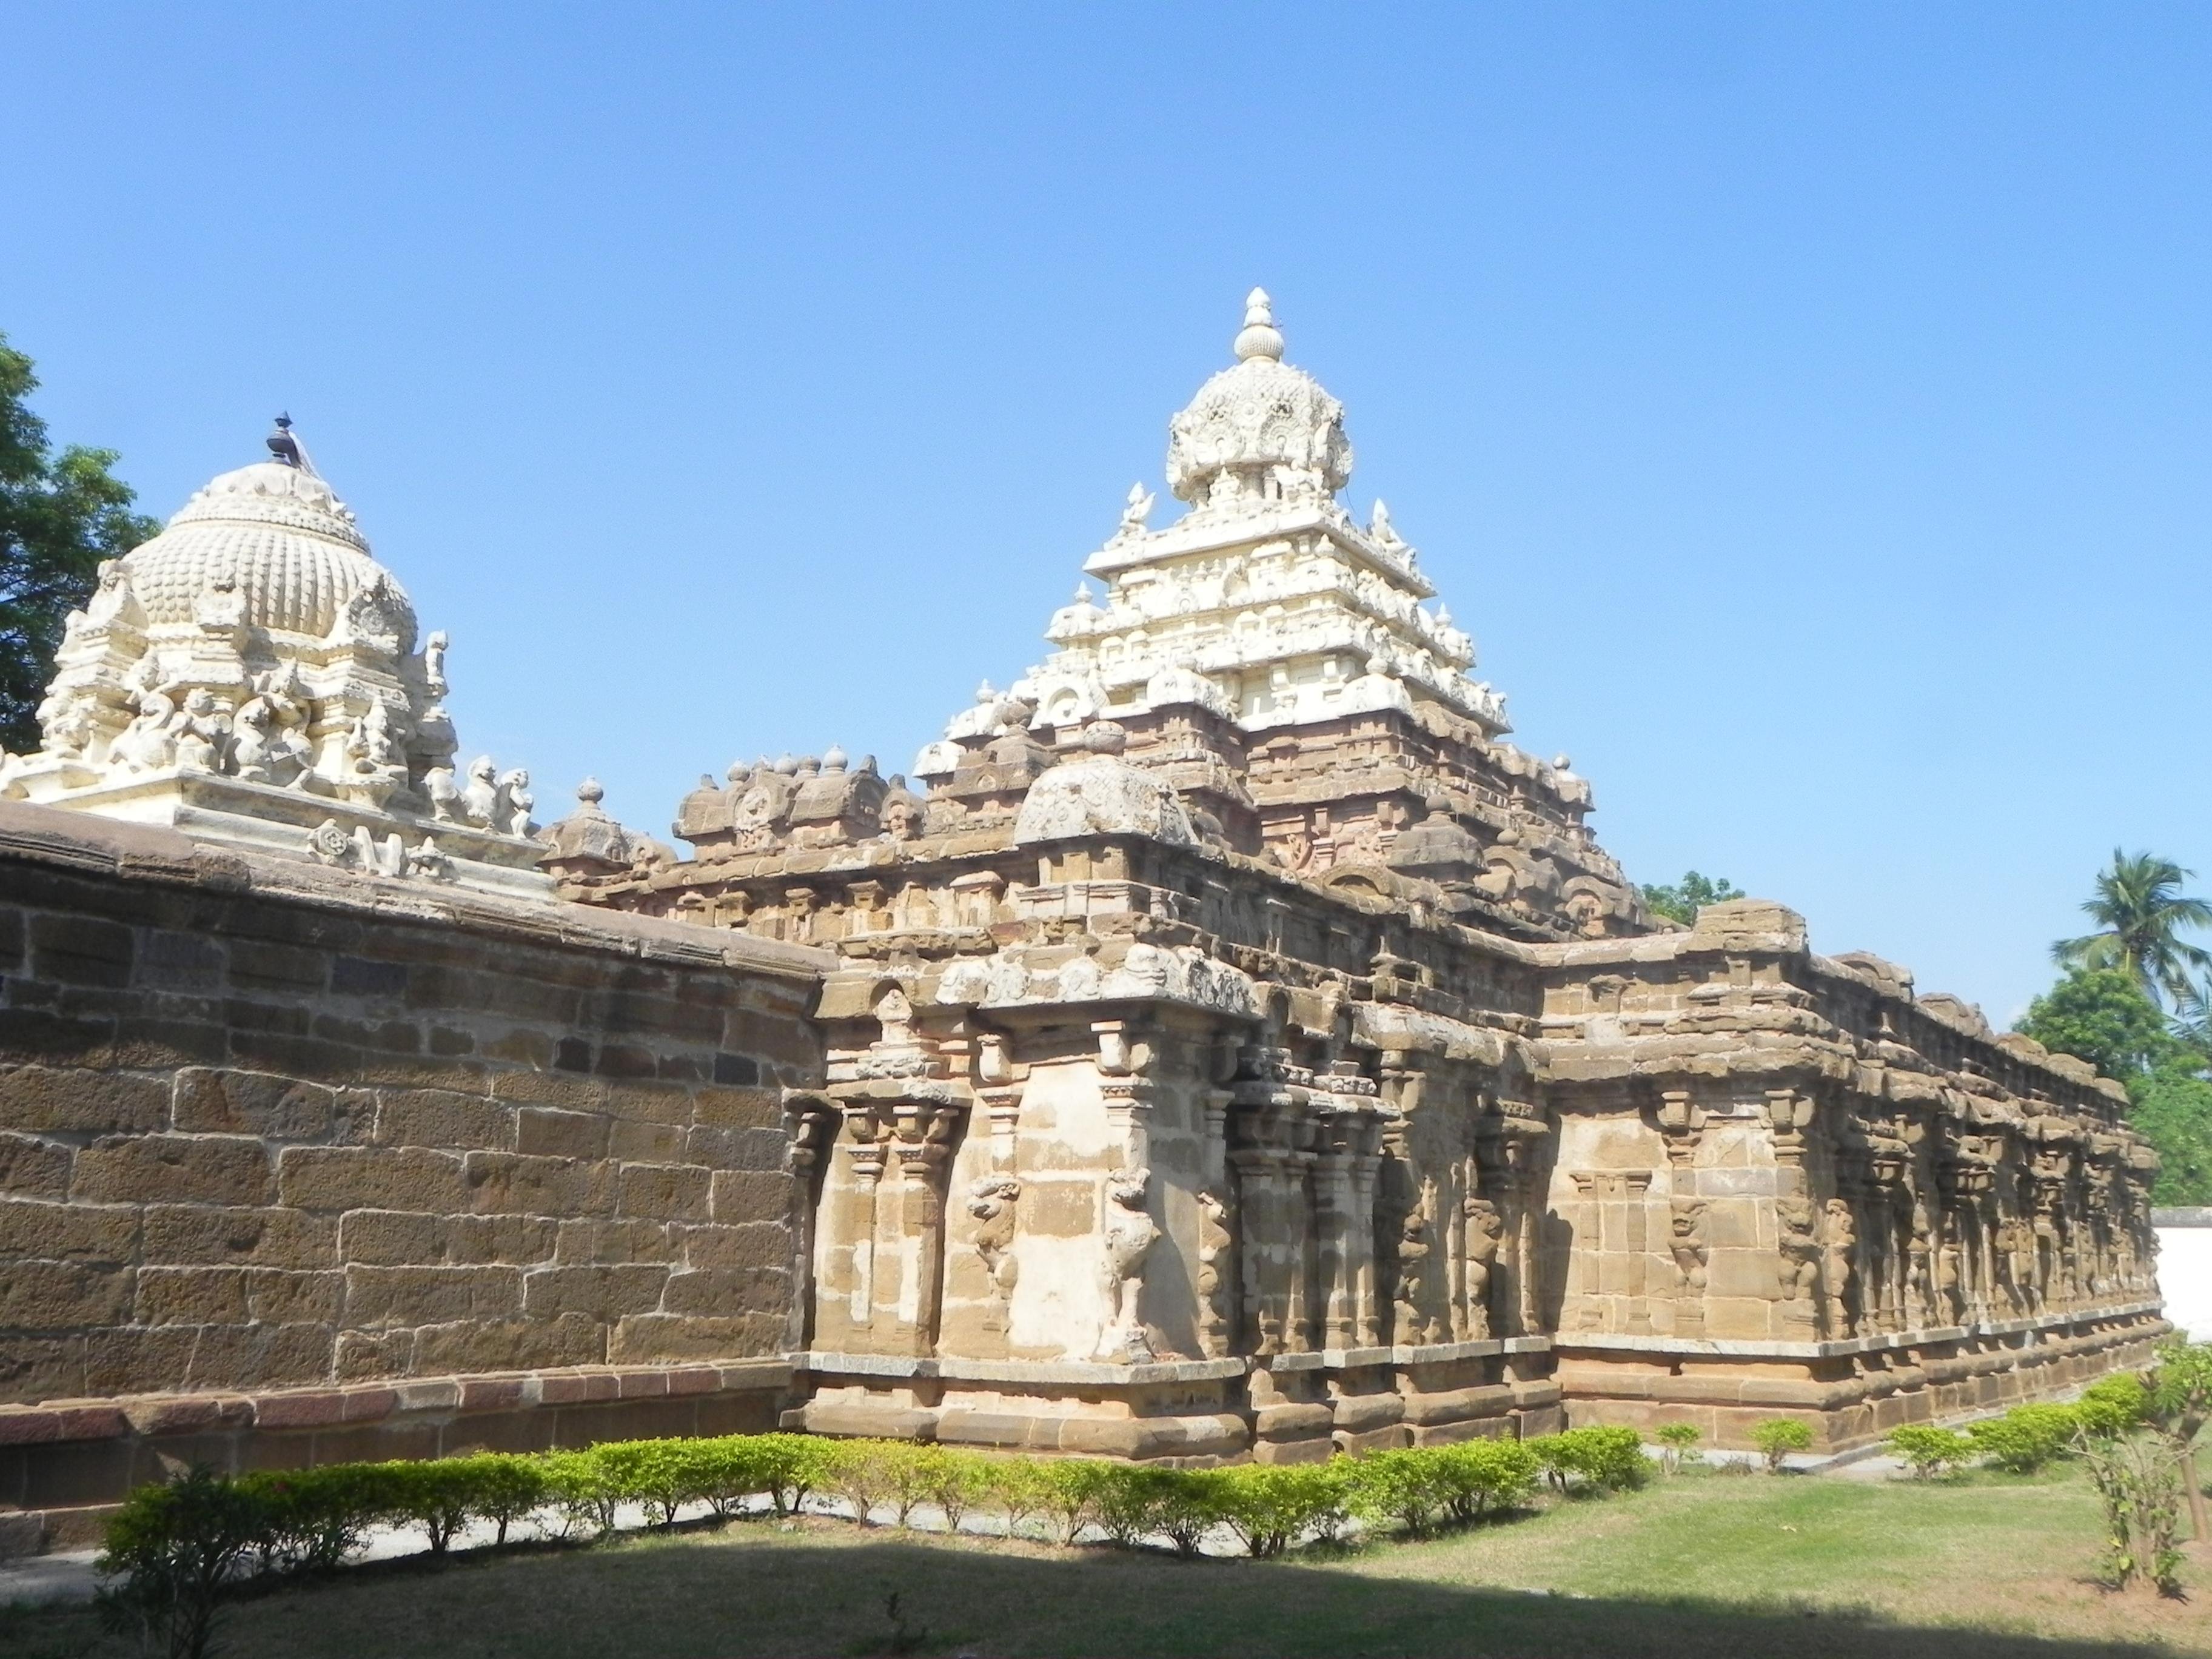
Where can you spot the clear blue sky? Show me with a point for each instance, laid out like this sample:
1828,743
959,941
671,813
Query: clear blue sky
1807,410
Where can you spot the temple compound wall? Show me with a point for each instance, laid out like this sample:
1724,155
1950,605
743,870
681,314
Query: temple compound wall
296,1167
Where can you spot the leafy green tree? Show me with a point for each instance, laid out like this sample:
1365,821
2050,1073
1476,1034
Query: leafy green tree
1681,901
2172,1111
60,515
2140,913
2104,1016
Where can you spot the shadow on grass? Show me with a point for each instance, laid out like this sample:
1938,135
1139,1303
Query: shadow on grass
767,1592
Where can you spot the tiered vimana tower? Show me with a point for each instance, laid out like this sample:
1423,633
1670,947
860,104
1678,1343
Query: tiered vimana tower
1237,1047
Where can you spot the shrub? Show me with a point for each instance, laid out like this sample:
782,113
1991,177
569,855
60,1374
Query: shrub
1606,1459
1408,1485
1777,1437
1480,1475
508,1489
1674,1440
720,1472
2138,1481
911,1473
170,1551
957,1482
2026,1437
1928,1452
1132,1501
577,1482
1074,1487
1270,1506
2113,1406
437,1496
310,1520
1017,1487
791,1466
859,1473
658,1473
1185,1505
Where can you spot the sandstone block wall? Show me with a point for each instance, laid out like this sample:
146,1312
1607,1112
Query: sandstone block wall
266,1128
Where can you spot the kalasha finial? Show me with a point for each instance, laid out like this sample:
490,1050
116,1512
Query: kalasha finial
281,443
1259,337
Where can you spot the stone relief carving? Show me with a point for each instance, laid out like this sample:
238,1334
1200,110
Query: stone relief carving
1485,1231
1685,1243
1412,1324
1216,1281
1839,1270
330,843
990,1200
1799,1252
1127,1235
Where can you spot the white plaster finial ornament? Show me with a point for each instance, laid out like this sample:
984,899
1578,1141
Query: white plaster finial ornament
250,676
1259,337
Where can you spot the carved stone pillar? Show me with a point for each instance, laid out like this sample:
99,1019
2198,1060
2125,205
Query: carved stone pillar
1259,1177
1124,1057
811,1123
1216,1234
866,1152
1396,1199
1366,1159
1333,1229
1840,1261
921,1132
1797,1221
1682,1125
1513,1142
1267,1100
1301,1304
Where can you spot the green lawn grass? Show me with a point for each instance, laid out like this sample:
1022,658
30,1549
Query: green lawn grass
1700,1565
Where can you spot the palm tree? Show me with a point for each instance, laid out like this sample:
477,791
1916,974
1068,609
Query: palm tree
2193,1018
2140,912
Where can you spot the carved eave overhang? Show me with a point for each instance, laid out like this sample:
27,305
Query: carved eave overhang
1393,1028
1758,1054
1197,534
1761,978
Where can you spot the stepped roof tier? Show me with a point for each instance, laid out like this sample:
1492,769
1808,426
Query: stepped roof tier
252,676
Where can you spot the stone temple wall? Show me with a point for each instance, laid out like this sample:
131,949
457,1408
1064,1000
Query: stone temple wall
1786,1185
295,1166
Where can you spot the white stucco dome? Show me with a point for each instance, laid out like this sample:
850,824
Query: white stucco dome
1260,415
281,536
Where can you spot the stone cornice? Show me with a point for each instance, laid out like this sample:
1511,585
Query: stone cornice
82,844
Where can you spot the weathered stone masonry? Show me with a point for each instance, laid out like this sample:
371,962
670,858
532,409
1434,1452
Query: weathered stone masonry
295,1168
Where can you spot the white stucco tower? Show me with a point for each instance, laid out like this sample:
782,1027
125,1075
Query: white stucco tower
253,677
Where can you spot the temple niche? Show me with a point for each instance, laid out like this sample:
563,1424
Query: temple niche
253,677
1238,1047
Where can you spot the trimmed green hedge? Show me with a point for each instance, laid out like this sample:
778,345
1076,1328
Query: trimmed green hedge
310,1520
173,1549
